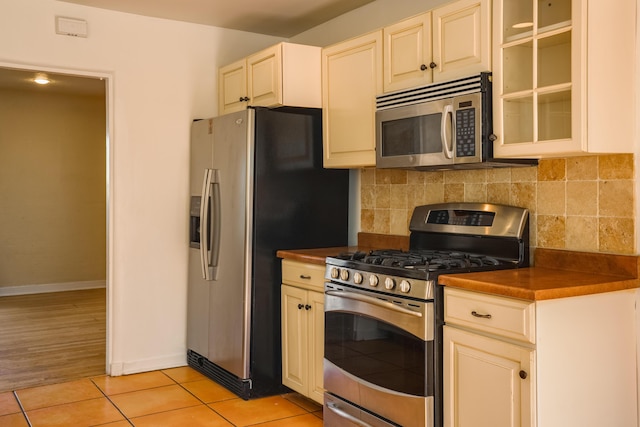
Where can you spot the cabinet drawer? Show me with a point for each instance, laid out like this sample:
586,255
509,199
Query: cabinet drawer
308,276
506,317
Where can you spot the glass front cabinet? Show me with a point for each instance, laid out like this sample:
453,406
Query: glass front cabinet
563,77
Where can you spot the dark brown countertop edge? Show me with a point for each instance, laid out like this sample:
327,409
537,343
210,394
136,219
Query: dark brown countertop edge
588,262
312,256
562,288
366,242
556,273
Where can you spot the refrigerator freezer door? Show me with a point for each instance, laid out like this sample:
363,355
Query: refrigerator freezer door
229,299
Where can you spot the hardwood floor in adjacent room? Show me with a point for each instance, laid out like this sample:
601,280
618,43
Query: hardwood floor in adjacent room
51,338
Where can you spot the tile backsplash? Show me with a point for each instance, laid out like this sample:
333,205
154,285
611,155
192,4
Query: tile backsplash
576,203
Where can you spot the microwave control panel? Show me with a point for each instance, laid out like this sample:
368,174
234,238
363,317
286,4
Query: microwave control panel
466,132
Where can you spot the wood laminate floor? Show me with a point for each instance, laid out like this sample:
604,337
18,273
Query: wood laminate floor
51,338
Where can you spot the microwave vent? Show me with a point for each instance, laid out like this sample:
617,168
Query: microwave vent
433,91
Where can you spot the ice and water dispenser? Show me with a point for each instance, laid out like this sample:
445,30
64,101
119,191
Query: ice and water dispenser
194,222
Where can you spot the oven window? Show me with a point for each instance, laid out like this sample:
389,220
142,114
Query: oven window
412,135
379,353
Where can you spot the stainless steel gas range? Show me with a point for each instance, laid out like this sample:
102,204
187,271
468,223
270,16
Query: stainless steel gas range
384,312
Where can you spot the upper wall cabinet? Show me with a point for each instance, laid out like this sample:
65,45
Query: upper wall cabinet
351,79
408,53
446,43
284,74
563,77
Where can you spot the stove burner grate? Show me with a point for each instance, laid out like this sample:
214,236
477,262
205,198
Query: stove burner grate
426,260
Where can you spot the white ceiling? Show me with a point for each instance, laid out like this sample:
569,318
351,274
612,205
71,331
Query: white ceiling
282,18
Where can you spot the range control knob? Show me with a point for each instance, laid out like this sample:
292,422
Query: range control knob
357,278
335,273
389,283
344,275
405,286
373,280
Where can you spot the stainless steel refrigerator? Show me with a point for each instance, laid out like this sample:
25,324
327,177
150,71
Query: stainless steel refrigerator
257,186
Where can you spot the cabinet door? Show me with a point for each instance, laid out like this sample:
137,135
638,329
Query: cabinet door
483,384
264,74
316,345
407,53
351,79
552,98
232,83
294,339
533,80
461,39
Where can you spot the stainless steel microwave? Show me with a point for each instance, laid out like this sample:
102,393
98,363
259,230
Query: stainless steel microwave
446,125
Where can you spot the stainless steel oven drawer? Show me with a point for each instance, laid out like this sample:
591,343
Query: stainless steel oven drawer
401,408
340,413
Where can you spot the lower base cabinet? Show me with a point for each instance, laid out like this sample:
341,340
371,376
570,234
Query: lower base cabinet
548,363
488,381
303,328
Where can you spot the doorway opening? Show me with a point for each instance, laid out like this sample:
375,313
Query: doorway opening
54,261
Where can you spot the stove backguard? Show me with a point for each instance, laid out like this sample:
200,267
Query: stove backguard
516,250
494,230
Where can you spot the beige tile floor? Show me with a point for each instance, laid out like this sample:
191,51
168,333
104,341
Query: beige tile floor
171,397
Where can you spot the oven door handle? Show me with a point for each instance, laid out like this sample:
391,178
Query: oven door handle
372,300
343,414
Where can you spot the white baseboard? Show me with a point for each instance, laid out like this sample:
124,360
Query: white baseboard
146,365
115,369
51,287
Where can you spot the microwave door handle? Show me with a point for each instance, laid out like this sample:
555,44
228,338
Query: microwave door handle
447,140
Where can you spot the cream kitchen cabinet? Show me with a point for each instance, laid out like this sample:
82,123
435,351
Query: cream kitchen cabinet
351,79
446,43
552,363
488,380
563,76
232,87
283,74
302,300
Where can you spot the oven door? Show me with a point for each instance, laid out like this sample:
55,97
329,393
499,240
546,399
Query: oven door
379,355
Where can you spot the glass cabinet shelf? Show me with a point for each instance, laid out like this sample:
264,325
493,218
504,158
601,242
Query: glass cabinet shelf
529,34
536,70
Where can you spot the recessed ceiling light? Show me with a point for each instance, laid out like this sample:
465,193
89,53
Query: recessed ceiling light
523,25
41,79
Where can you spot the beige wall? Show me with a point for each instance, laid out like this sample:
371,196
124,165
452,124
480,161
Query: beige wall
578,203
52,186
161,75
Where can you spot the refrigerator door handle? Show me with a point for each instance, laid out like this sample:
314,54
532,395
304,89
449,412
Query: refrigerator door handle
210,224
205,217
216,224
